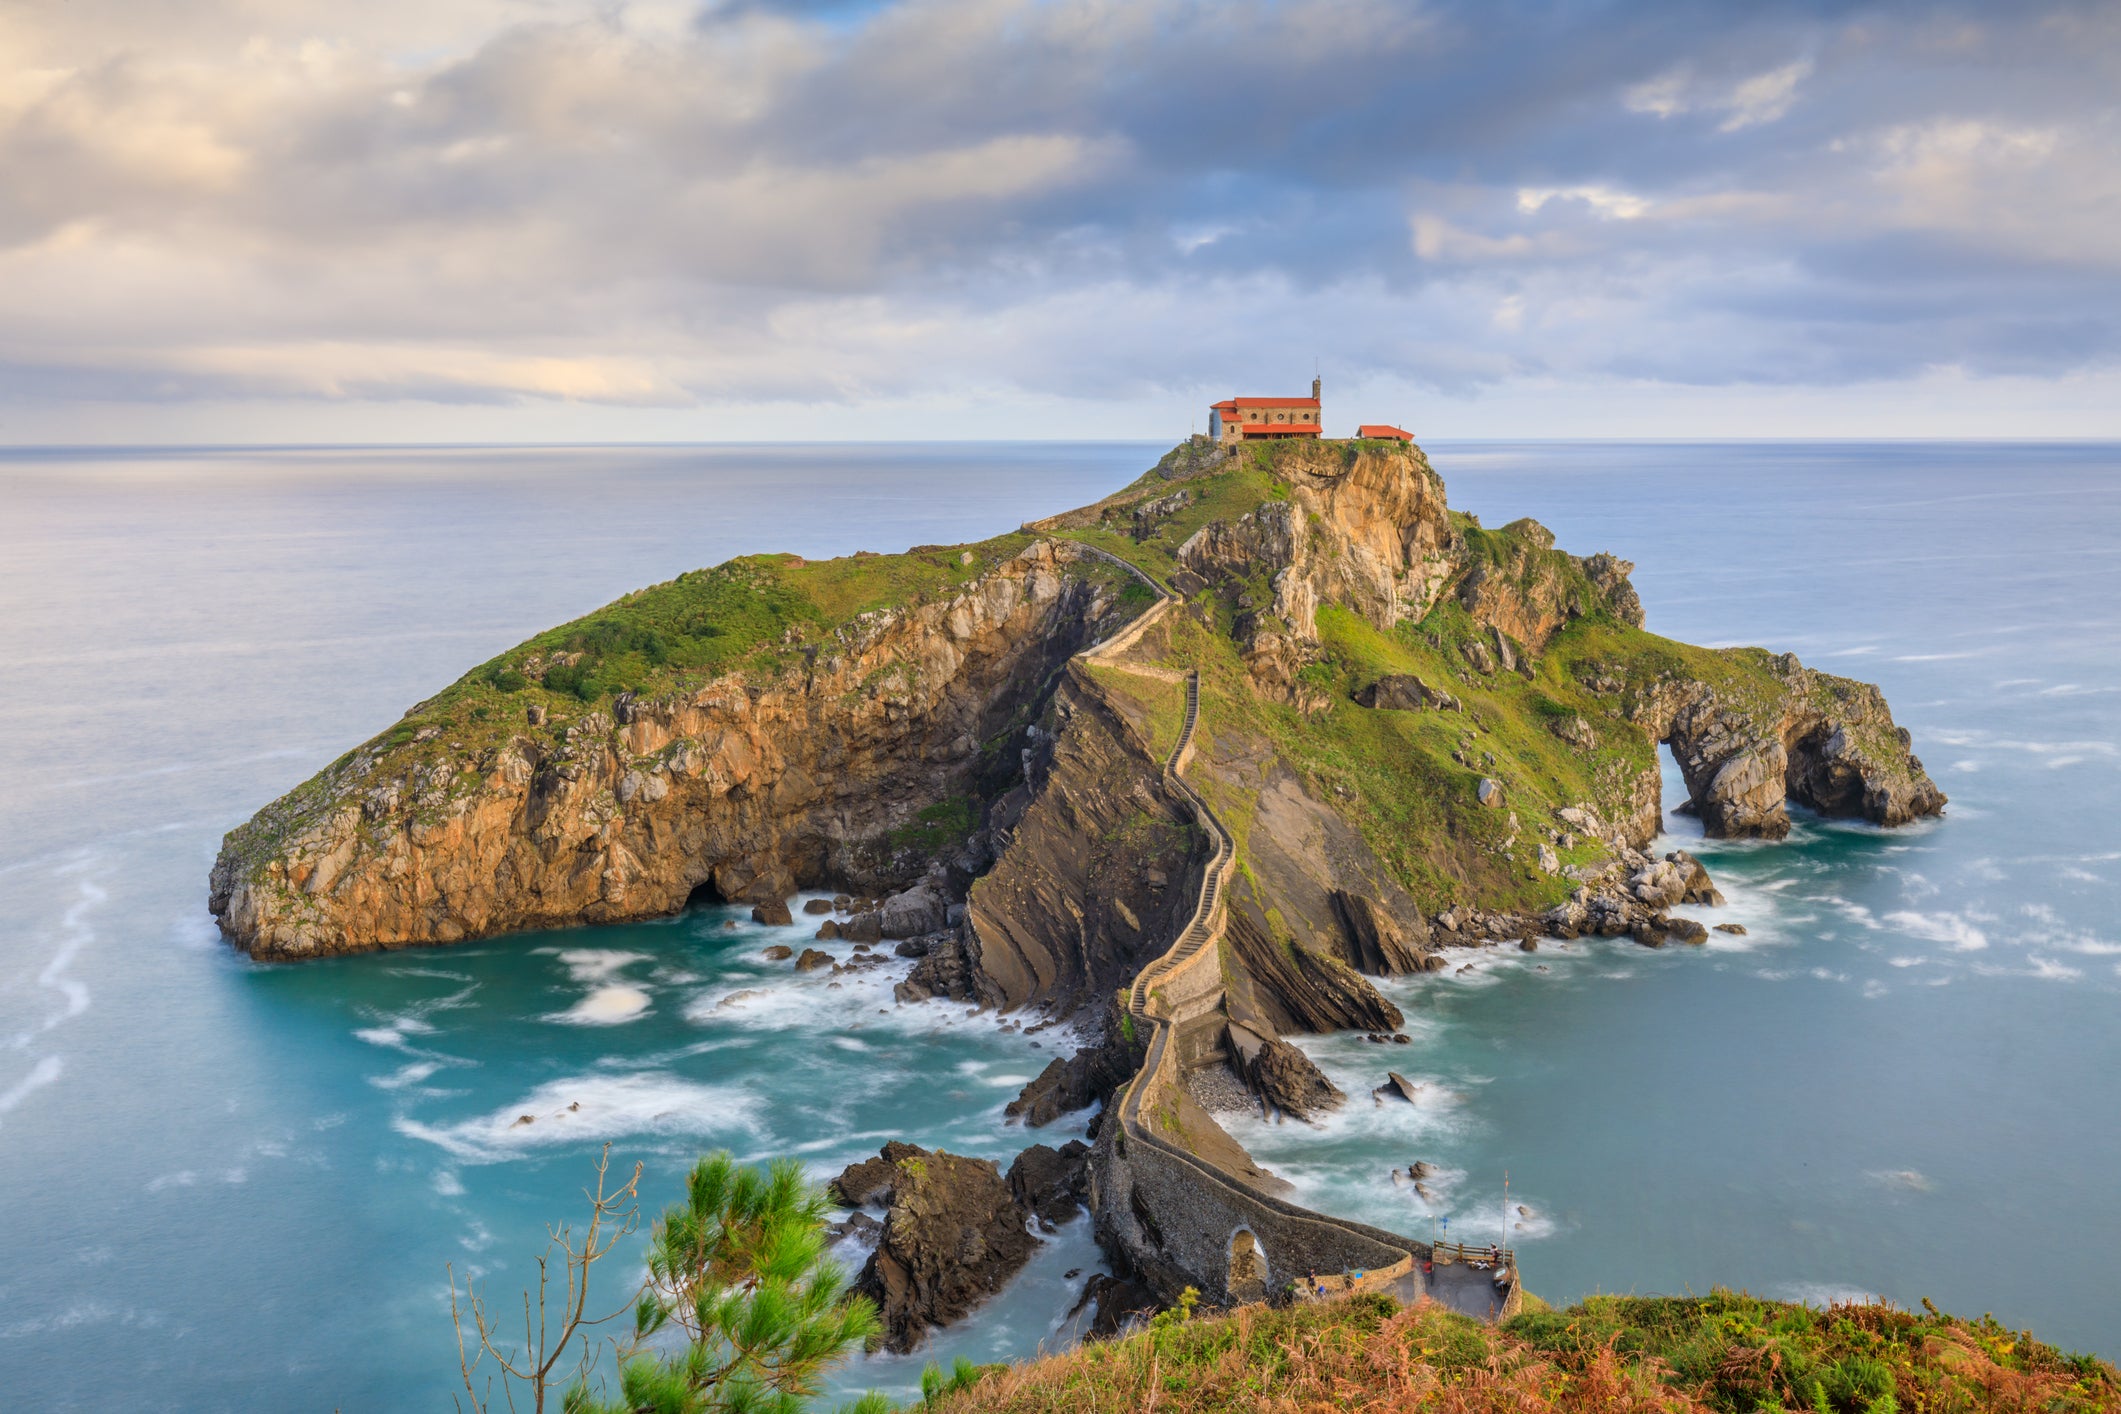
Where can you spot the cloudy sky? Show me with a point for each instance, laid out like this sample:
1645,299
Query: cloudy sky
246,220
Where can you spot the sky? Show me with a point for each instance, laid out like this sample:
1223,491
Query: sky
545,220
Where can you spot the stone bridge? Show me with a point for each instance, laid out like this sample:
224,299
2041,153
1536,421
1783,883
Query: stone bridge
1170,1188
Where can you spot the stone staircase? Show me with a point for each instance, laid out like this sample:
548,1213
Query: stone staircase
1205,926
1375,1260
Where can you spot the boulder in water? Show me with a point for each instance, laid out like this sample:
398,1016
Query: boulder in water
954,1236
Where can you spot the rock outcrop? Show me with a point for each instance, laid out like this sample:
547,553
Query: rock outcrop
746,785
1825,742
1050,1184
1096,861
1287,1080
1379,942
953,1237
1088,1077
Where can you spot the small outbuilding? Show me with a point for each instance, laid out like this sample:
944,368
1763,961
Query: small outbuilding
1384,429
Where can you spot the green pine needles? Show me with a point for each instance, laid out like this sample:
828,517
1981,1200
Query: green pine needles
741,1311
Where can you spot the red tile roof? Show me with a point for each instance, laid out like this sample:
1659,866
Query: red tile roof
1383,429
1272,403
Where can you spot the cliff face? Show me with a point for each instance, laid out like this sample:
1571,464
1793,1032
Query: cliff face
1825,742
1404,716
749,783
1097,864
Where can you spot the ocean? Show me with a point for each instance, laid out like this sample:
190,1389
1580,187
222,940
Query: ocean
238,1187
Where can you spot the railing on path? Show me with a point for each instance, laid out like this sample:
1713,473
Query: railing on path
1400,1256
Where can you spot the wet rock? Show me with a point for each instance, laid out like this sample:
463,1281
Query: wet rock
773,912
1120,1305
817,905
1736,930
866,926
1083,1079
812,960
1284,1077
1397,1087
954,1236
949,970
921,909
1651,932
913,947
779,952
1052,1184
1686,930
827,931
1695,884
871,1182
859,1226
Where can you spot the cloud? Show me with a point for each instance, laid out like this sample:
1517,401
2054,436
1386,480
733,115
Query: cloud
1761,98
671,206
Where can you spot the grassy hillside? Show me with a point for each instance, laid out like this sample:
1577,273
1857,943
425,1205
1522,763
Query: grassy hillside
1725,1352
1554,735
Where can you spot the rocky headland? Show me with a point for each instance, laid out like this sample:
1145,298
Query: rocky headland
1418,734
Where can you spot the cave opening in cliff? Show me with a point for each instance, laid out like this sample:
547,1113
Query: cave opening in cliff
705,895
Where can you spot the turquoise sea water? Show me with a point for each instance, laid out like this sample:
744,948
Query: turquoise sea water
237,1187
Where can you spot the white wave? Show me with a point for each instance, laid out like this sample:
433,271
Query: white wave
1954,930
392,1033
405,1075
44,1072
591,965
606,1006
594,1107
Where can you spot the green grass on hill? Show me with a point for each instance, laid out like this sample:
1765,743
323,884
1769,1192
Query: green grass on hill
1725,1353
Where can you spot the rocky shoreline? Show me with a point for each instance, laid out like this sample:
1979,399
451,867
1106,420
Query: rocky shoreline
1424,735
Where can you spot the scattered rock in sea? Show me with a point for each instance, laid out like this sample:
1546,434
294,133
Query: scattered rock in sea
1284,1077
1397,1086
1736,930
812,959
779,952
827,931
772,912
817,905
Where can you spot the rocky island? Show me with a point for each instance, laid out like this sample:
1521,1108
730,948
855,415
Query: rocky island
1188,766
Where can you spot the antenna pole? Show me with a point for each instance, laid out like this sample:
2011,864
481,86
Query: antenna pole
1505,1205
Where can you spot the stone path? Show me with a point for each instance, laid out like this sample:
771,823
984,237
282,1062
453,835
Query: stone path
1454,1283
